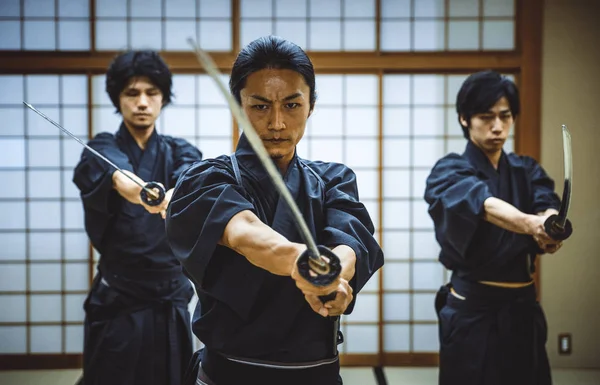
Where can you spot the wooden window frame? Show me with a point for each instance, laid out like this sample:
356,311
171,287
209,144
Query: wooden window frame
524,62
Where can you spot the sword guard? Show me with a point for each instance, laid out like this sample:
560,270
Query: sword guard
147,199
556,231
320,278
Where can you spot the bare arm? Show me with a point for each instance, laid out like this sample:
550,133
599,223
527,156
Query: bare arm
507,216
261,245
131,192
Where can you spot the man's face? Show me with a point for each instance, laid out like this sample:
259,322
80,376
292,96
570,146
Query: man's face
277,102
141,103
489,130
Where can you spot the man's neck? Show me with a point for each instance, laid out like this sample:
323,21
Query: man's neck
141,137
494,158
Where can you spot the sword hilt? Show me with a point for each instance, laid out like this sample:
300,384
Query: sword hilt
156,200
322,276
556,230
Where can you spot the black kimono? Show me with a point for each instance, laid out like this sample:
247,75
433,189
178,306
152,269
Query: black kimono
137,326
252,322
496,335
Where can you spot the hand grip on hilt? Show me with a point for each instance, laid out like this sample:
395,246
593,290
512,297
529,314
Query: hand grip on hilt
555,230
321,277
149,200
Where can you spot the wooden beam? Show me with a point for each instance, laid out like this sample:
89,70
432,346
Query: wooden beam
28,62
40,361
390,359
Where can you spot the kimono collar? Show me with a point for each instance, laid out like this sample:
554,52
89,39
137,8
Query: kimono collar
251,162
481,162
124,134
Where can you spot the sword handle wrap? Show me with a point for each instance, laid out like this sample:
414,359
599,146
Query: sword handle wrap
320,279
556,231
147,199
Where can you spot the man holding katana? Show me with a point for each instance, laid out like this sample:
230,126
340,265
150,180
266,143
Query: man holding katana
264,318
493,213
137,326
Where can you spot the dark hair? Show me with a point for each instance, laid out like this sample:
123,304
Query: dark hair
480,91
138,63
271,52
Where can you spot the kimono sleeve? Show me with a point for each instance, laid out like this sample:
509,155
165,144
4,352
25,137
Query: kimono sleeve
348,223
205,199
542,187
184,156
93,176
455,195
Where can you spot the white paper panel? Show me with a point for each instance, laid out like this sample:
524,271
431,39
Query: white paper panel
290,8
214,9
45,246
209,92
76,276
367,181
361,153
145,8
396,89
428,121
396,307
16,180
14,308
14,215
396,276
429,151
76,246
372,207
362,121
38,8
13,246
427,276
12,121
429,35
372,284
498,35
45,308
112,8
396,8
73,8
179,121
146,34
44,215
396,35
396,184
418,184
212,148
38,126
428,89
215,35
12,85
359,35
215,121
44,184
397,338
359,8
180,8
425,245
396,153
423,307
71,152
396,121
361,90
253,29
99,95
325,9
13,339
111,34
396,215
326,121
176,34
293,30
11,35
362,339
10,8
456,145
425,338
454,83
42,89
69,188
256,8
46,339
325,35
396,245
366,309
73,218
327,150
74,339
74,307
499,8
74,119
463,8
39,35
45,277
421,219
12,278
429,8
330,90
463,35
104,119
73,35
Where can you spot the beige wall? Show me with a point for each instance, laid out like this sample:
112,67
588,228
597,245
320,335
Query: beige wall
570,279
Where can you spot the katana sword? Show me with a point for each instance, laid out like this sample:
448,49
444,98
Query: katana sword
148,195
311,260
557,226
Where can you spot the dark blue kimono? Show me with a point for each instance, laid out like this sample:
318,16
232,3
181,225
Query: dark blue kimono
496,335
245,312
137,326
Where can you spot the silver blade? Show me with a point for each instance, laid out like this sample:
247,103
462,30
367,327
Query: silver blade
568,171
152,193
263,155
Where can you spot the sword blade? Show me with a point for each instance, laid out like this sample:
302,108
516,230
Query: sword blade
257,145
152,193
568,176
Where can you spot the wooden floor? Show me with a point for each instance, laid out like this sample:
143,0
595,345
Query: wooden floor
352,376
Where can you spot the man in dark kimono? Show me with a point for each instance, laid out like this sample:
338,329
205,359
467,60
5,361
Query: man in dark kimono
489,209
137,326
262,323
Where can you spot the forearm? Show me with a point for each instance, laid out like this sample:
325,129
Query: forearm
506,216
261,245
126,187
347,260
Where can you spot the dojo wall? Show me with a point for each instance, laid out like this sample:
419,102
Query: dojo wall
570,279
